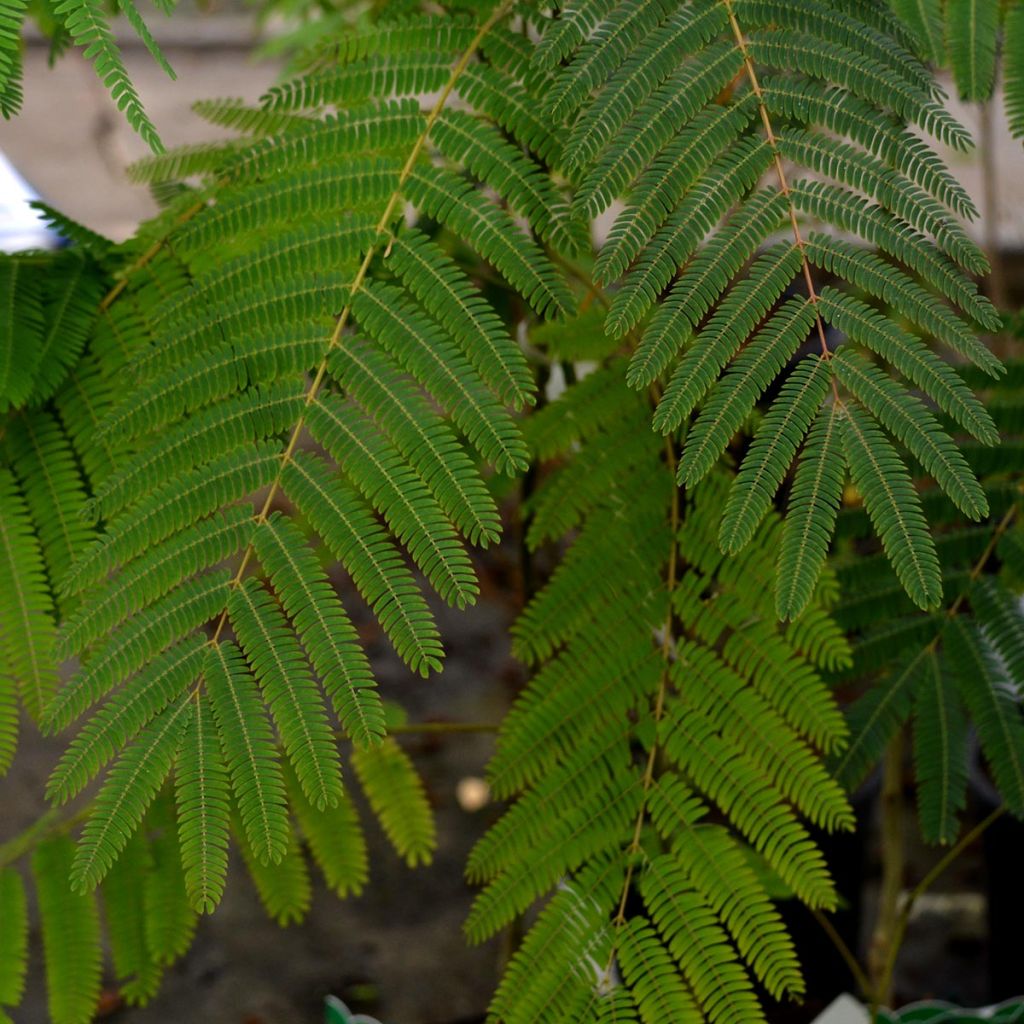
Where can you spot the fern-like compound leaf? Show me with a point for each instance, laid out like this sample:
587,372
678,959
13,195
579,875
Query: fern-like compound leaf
71,935
993,706
289,689
972,29
87,24
131,785
719,149
643,888
334,838
333,363
250,752
881,476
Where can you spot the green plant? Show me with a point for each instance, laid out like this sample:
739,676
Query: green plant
973,39
311,357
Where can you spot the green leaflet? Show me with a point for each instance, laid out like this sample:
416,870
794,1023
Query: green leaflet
10,57
71,935
87,24
250,752
124,913
1013,68
289,689
283,887
875,718
14,938
324,628
880,475
811,513
202,789
924,18
940,755
334,837
25,603
971,32
399,800
129,788
993,707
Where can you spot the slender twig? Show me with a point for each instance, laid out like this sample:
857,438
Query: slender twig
859,975
418,728
884,938
112,296
925,884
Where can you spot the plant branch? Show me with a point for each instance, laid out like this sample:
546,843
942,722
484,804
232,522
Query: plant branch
926,883
885,936
851,961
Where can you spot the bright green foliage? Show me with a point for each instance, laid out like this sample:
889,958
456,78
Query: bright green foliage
283,887
308,366
13,939
51,386
399,800
971,31
249,751
71,935
124,912
691,112
648,704
130,786
335,840
894,508
170,919
202,787
813,504
28,628
297,353
86,24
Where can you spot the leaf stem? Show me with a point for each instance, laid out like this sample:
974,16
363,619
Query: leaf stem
659,707
907,908
755,85
858,973
884,939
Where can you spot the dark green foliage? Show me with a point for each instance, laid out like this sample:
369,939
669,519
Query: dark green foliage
951,671
691,113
